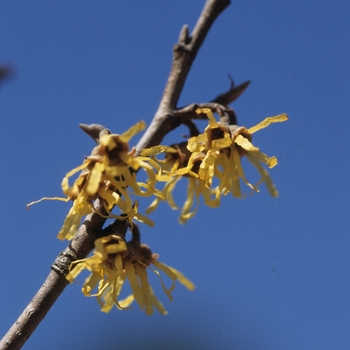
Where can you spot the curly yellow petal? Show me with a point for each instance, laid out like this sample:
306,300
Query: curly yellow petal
134,283
268,121
153,151
94,179
212,122
183,279
135,129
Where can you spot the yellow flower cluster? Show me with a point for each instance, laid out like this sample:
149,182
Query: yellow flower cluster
109,173
215,153
114,261
211,162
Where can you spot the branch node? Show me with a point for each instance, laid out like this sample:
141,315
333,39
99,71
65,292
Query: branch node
62,263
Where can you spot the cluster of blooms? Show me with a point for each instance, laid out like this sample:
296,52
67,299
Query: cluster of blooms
110,172
215,153
115,261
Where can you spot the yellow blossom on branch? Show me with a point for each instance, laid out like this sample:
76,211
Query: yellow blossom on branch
180,162
216,153
108,173
113,262
224,145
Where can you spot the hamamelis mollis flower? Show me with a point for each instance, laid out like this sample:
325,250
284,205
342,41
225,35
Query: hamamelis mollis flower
223,146
113,262
108,173
215,154
179,163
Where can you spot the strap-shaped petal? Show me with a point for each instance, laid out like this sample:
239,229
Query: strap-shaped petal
268,121
135,129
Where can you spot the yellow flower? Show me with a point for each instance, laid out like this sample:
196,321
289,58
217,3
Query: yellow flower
224,145
214,154
180,162
108,173
113,262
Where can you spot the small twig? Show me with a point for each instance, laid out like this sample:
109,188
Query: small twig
94,130
232,94
184,54
219,105
189,112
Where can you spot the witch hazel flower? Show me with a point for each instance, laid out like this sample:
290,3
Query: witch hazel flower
116,261
216,153
109,173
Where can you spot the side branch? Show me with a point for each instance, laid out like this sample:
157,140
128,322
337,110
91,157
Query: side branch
220,105
184,54
186,51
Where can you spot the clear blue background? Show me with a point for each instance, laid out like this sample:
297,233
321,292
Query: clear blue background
270,273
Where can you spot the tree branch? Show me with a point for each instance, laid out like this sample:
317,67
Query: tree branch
165,120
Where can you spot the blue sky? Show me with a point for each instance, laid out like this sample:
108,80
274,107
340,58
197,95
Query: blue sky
270,273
